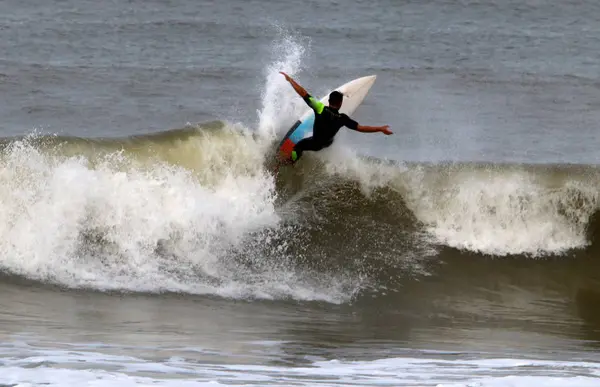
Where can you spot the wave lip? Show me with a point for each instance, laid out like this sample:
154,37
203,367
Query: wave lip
506,210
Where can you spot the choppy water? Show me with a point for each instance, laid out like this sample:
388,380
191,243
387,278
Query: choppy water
145,240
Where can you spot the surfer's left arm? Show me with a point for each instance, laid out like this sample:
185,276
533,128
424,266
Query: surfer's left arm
311,101
350,123
299,89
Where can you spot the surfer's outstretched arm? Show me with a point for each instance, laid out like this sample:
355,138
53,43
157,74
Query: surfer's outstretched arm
373,129
299,89
314,103
350,123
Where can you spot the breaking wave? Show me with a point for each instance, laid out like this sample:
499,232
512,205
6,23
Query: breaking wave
199,210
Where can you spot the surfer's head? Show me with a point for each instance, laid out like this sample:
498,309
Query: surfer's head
335,99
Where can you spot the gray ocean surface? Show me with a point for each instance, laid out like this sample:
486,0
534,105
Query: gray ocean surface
144,239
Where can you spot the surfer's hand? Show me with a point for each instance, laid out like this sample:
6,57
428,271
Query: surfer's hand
385,130
287,77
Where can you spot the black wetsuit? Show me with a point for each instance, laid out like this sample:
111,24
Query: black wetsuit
328,122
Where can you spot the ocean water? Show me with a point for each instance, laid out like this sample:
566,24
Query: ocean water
145,240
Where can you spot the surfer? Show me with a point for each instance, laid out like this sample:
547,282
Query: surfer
328,121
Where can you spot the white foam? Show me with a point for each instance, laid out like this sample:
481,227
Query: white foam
51,202
344,161
280,102
120,225
502,212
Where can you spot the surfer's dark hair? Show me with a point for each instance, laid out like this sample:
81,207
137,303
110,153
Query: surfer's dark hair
336,97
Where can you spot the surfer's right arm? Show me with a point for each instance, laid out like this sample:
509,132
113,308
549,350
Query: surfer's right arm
350,123
314,103
374,129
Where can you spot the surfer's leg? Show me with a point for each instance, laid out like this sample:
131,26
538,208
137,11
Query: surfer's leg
302,145
309,144
327,143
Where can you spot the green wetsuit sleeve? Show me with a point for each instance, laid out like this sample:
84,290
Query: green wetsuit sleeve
314,103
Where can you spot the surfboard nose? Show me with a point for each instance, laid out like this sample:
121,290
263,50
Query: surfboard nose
371,78
364,82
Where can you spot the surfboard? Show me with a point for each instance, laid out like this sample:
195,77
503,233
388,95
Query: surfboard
354,93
